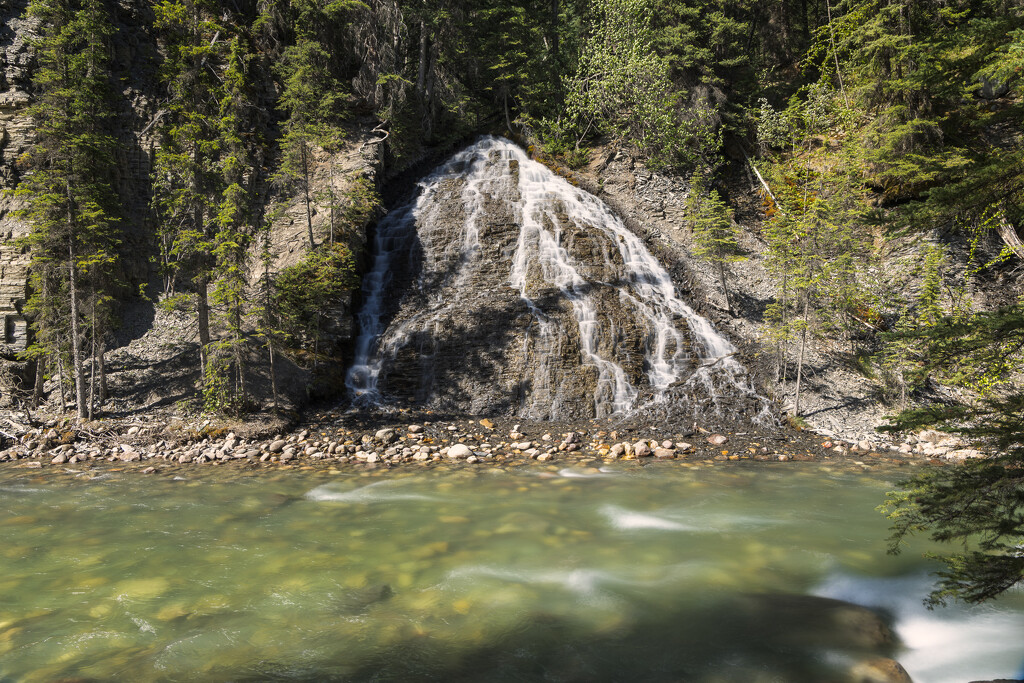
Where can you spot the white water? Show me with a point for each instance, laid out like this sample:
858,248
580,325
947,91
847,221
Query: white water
950,644
540,264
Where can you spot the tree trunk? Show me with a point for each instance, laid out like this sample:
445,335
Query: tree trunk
60,380
239,359
305,188
555,47
37,390
800,357
725,288
103,371
203,315
92,365
76,337
330,191
273,372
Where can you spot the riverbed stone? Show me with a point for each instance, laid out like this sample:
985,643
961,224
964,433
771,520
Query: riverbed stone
385,436
459,450
717,439
277,446
879,670
641,449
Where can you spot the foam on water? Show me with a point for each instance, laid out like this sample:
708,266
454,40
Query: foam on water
950,644
571,473
621,518
379,492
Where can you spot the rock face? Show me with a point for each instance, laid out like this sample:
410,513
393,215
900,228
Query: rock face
518,293
15,138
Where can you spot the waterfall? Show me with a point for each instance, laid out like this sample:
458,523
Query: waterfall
503,287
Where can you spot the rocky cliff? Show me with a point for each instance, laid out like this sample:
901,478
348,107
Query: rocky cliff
503,289
15,137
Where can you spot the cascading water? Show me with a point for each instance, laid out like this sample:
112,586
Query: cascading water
502,287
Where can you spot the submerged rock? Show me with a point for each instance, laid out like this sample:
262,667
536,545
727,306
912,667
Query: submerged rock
358,600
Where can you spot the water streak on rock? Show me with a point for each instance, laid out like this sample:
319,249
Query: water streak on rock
502,287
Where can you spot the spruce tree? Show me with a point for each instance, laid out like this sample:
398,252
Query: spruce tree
979,504
71,206
187,180
715,234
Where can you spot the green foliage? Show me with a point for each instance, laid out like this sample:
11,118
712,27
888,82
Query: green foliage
68,184
313,288
715,234
623,87
360,205
978,505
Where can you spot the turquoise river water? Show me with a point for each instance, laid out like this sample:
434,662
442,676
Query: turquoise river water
669,572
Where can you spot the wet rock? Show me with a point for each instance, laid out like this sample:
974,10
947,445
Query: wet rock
664,453
717,439
879,670
359,600
641,449
277,446
60,459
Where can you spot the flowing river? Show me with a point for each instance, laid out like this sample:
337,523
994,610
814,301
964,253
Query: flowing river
669,572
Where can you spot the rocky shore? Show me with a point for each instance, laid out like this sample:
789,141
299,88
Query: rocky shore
351,440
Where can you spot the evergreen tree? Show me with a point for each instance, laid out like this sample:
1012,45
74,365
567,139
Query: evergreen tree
311,99
187,179
978,505
715,234
234,233
71,206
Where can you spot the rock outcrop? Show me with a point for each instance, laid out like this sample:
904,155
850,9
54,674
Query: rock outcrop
15,138
520,294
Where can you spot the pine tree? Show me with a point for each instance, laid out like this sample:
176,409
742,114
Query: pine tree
715,234
312,100
187,181
622,87
234,233
68,187
978,505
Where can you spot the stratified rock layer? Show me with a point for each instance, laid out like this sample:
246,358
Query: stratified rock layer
504,289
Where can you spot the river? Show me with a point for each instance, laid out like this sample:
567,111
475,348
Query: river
668,572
